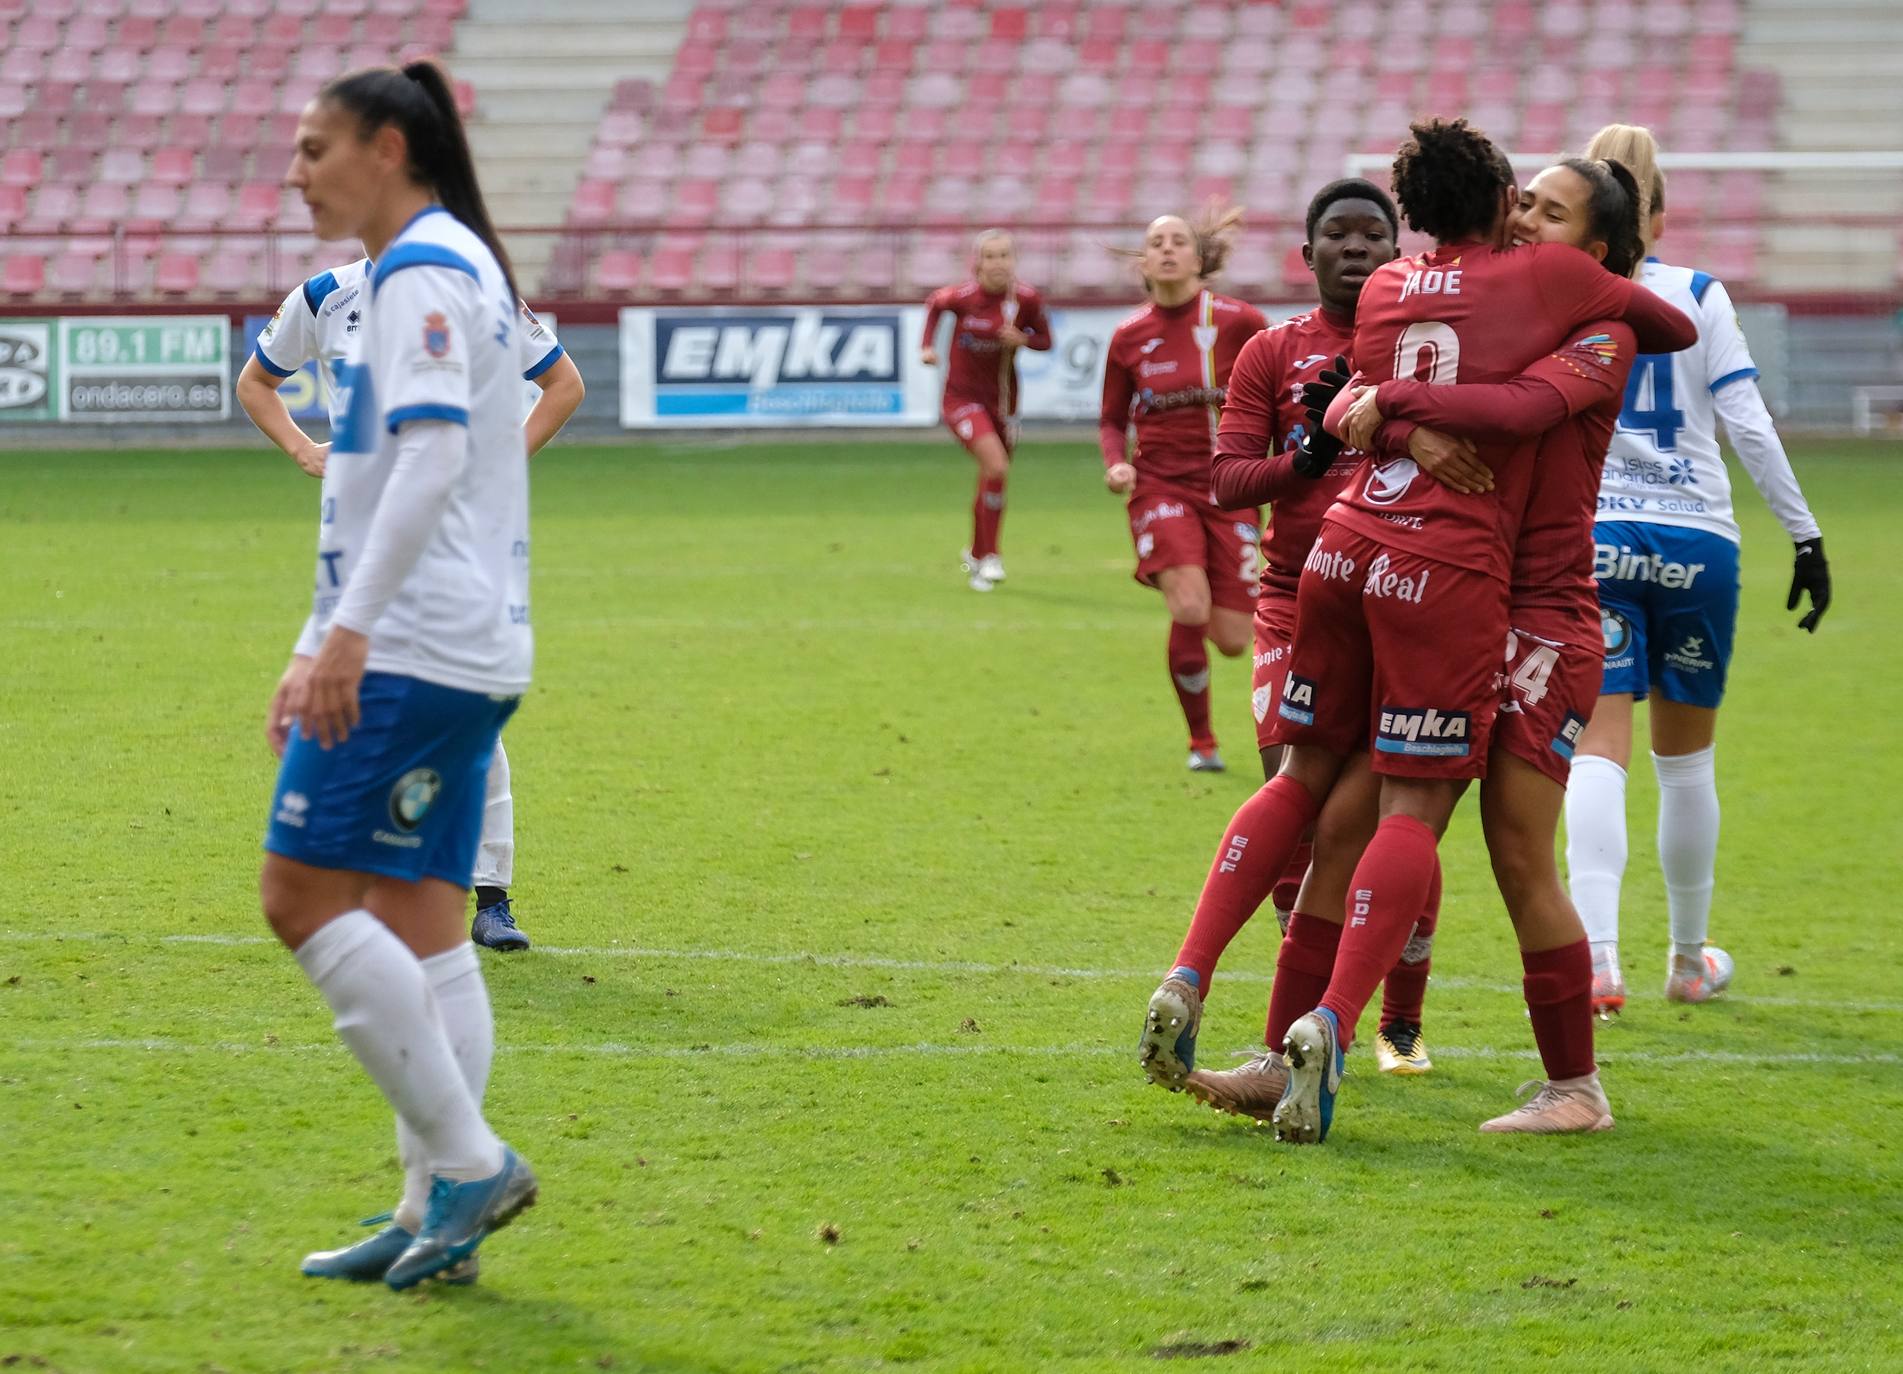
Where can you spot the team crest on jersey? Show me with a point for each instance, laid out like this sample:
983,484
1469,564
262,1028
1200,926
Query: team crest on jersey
1205,336
411,798
270,330
436,334
1389,482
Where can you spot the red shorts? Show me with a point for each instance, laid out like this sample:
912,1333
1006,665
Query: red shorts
1274,629
1173,528
1551,684
1395,654
972,421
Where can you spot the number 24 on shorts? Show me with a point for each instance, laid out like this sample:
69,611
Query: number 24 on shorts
1530,678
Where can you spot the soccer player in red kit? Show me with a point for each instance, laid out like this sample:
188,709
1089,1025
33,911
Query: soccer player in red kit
1572,398
1401,612
994,315
1165,373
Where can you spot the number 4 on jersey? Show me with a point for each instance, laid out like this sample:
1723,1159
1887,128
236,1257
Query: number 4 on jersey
1648,404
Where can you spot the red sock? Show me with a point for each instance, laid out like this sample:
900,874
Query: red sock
1254,851
1406,986
1189,674
1289,887
1386,895
987,514
1558,987
1302,970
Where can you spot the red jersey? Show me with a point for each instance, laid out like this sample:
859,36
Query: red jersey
1261,421
1474,313
1572,398
978,367
1166,371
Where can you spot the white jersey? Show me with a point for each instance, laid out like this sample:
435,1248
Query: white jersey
319,319
1664,466
440,338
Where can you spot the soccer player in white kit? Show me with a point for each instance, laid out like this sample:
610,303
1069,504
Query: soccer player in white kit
417,651
316,323
1666,560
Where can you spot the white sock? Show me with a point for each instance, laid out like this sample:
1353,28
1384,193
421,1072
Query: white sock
1596,849
382,1007
495,854
462,1000
1688,842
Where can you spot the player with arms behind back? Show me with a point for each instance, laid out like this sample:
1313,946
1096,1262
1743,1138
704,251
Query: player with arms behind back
316,323
993,316
1166,370
416,653
1667,563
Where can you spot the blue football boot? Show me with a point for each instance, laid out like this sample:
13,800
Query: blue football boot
1307,1108
459,1216
495,928
369,1260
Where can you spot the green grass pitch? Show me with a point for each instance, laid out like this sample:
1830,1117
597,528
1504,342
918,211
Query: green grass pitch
849,888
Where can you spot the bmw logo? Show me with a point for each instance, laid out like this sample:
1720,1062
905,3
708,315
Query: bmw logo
1617,632
411,798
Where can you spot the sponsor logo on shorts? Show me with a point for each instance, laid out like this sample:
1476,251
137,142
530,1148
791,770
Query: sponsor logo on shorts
1268,658
1247,533
1567,739
1624,564
1389,482
1162,510
1259,700
1386,584
1330,565
292,809
964,428
1690,655
1298,700
398,841
1146,544
1423,730
411,798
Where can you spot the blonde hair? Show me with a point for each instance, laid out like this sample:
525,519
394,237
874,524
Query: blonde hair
1635,147
1214,232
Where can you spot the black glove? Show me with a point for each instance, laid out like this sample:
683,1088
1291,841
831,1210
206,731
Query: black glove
1316,450
1810,573
1317,396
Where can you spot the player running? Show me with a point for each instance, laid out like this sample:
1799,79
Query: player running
1572,399
316,323
993,316
1667,564
1166,371
416,653
1400,564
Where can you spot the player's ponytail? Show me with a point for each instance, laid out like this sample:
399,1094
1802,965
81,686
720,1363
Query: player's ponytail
1215,233
1449,179
1633,146
1612,211
418,100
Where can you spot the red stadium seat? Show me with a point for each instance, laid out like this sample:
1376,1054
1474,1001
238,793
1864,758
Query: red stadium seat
594,203
21,167
672,269
23,275
176,275
12,205
257,207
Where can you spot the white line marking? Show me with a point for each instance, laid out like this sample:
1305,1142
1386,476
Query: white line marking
620,1050
875,961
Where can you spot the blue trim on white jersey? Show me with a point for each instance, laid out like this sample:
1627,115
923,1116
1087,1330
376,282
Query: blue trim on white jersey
456,415
554,355
257,351
1701,283
317,290
421,255
1731,377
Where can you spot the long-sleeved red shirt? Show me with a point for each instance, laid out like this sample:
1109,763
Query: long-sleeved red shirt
1475,313
1166,372
1570,401
1262,419
978,367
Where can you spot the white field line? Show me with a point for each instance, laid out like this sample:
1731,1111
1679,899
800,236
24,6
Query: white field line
797,958
616,1049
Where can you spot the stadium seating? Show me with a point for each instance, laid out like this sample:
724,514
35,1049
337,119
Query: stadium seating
831,116
130,121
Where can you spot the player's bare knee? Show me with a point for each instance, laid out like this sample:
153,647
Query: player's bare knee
1229,643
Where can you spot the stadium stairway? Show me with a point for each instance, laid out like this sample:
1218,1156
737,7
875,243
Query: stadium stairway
1838,62
545,74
